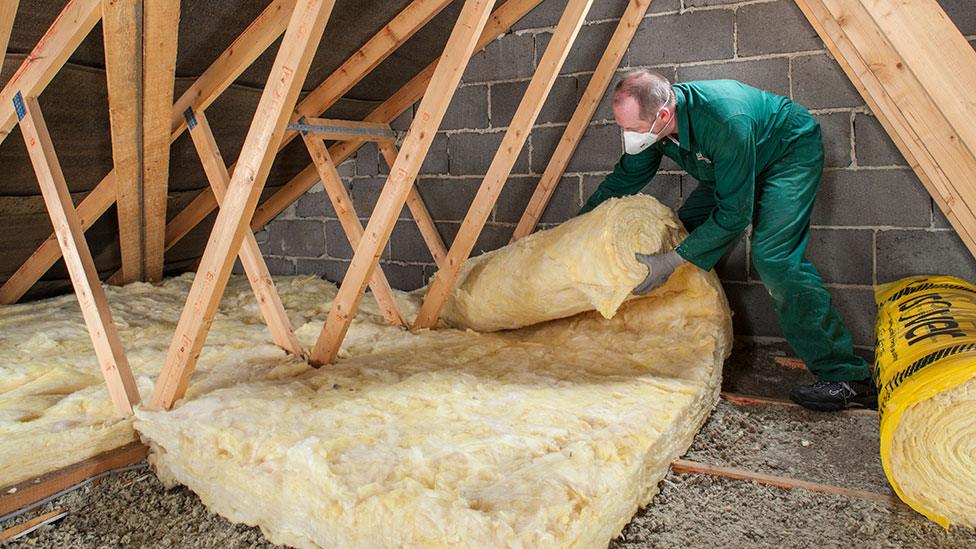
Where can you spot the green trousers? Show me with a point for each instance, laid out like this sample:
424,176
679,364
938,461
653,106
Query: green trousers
785,192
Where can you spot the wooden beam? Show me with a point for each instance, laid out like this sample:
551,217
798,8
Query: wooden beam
430,112
342,204
290,68
122,31
261,33
687,467
161,21
501,165
337,130
500,22
419,211
73,24
254,266
18,496
891,86
580,121
91,297
8,12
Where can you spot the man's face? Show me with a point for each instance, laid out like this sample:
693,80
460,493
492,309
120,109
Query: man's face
627,114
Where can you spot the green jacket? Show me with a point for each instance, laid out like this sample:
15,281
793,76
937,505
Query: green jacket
728,133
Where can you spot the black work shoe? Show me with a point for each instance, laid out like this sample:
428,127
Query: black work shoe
830,396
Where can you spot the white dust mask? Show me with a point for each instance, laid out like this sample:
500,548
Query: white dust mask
635,142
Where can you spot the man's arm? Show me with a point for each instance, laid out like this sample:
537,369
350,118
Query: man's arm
630,175
735,174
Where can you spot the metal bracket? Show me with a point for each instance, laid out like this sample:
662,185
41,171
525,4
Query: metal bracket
191,119
19,106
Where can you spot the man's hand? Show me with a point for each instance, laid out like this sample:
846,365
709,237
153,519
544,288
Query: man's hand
659,269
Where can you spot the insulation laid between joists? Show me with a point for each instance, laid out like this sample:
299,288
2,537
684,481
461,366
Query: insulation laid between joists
541,436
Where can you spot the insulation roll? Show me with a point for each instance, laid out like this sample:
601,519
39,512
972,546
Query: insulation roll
926,376
584,264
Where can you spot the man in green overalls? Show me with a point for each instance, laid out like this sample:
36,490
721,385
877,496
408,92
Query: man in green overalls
758,159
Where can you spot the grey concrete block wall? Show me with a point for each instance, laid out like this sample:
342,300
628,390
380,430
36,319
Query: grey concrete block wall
873,221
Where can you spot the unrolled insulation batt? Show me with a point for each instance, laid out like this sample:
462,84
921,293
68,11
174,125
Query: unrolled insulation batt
546,436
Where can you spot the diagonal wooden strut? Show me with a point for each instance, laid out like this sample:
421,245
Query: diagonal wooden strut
577,125
418,209
342,203
501,165
404,171
378,48
254,266
73,24
81,268
499,22
280,94
262,32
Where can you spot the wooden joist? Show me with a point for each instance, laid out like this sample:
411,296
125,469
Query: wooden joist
122,31
605,69
687,467
305,28
418,209
342,204
73,24
161,21
18,496
8,12
404,171
501,165
91,297
908,61
269,302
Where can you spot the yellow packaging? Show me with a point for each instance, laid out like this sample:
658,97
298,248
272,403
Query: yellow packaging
926,377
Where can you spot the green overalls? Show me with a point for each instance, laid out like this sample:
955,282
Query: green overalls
758,159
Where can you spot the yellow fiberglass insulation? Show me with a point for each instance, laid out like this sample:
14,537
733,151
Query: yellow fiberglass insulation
550,435
552,274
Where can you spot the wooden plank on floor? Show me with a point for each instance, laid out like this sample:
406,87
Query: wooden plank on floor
73,24
305,28
22,494
430,112
599,81
740,399
687,467
161,21
8,12
30,525
269,302
84,277
501,165
418,209
122,31
351,225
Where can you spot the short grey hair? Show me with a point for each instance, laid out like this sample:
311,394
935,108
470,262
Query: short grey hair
651,90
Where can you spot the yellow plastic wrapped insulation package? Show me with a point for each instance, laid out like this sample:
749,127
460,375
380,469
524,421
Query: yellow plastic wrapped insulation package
926,375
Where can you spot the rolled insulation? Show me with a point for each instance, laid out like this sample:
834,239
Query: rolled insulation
584,264
926,375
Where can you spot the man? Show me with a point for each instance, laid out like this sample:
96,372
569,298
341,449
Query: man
758,159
